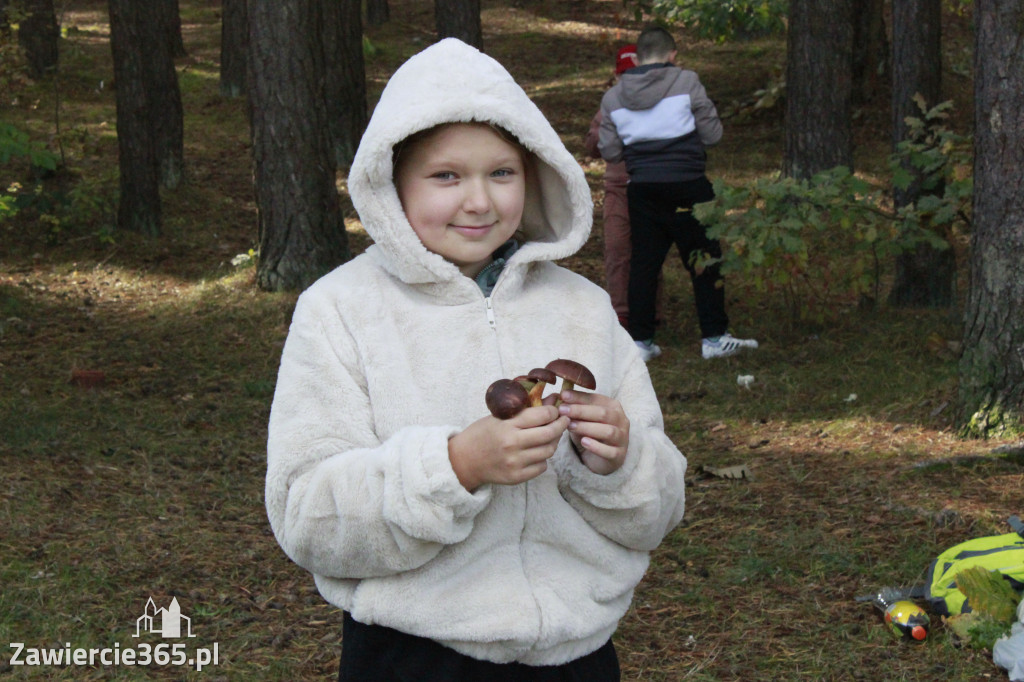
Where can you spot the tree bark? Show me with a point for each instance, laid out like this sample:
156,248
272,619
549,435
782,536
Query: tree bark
345,91
164,96
459,19
38,35
139,205
172,25
377,12
819,66
301,230
991,396
234,41
926,276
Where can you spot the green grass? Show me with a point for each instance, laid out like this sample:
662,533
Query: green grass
152,485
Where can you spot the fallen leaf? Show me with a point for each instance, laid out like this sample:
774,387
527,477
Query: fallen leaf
739,471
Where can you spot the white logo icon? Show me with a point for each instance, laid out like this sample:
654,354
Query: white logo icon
164,622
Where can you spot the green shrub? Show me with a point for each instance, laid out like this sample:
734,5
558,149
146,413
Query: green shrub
718,20
820,243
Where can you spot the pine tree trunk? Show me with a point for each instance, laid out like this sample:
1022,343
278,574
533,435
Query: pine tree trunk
459,19
164,95
139,207
38,35
925,277
302,234
992,365
345,90
819,65
234,41
377,12
172,24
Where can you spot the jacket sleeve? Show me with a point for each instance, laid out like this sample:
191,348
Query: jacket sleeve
640,503
341,502
608,141
705,114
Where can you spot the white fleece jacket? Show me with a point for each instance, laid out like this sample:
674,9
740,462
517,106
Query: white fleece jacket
390,355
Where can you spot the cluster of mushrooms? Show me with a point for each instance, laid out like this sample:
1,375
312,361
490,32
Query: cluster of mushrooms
508,397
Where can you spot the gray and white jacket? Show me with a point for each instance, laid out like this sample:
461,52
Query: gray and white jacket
659,119
390,355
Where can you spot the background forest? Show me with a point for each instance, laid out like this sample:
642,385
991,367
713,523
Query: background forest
136,375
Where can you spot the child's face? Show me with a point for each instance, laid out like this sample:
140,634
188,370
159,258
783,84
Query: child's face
462,189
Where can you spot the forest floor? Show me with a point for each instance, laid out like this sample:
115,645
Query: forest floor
150,485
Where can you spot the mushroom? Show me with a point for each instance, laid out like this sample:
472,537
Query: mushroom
573,374
506,398
540,377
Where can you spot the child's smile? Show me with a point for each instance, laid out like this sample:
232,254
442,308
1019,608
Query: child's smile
462,189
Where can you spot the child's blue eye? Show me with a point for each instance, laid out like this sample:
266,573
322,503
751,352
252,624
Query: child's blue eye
503,173
444,175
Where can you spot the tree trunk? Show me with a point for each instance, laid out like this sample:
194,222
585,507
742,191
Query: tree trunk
139,206
38,35
992,365
377,12
302,234
345,91
818,87
172,24
164,95
234,41
459,19
926,276
870,52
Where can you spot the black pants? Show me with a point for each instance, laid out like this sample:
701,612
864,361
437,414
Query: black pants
660,215
373,653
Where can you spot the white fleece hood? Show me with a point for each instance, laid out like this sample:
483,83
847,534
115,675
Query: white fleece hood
451,81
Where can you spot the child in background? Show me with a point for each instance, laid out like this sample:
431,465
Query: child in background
615,210
659,120
459,546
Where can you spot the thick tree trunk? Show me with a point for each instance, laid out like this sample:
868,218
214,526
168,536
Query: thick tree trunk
459,19
377,12
139,207
925,276
163,94
38,35
234,41
818,87
302,234
992,365
172,25
345,91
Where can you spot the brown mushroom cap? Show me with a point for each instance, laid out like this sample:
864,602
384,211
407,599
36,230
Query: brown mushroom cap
506,398
542,374
574,372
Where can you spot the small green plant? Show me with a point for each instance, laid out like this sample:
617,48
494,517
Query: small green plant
718,20
16,144
993,607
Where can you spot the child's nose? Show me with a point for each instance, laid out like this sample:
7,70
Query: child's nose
476,200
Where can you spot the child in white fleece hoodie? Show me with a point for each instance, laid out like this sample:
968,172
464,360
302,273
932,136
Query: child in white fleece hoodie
462,547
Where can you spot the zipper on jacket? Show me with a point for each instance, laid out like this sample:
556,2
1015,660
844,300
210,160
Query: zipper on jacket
490,311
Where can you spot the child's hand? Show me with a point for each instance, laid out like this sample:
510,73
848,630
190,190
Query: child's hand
598,427
506,451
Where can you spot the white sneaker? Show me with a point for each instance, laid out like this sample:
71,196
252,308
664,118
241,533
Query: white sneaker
648,349
723,346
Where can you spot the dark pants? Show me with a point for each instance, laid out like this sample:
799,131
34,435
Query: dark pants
373,653
660,215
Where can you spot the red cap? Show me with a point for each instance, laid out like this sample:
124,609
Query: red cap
626,59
